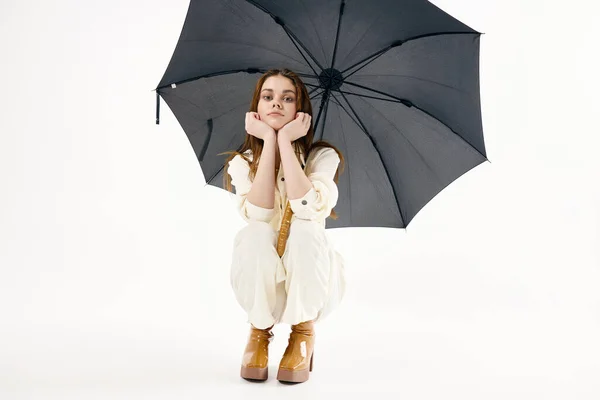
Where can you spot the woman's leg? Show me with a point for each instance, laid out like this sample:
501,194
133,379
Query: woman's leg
255,271
307,265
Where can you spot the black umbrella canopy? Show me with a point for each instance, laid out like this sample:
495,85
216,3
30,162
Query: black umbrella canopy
394,85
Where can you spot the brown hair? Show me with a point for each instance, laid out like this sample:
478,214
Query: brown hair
303,144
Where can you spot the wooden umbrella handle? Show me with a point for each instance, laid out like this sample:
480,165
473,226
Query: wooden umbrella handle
284,231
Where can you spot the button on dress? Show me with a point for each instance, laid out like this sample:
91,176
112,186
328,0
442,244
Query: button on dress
308,281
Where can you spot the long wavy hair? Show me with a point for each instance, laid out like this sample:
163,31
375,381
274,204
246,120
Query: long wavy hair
302,145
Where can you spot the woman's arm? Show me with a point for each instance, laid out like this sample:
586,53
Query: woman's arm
296,182
262,193
316,203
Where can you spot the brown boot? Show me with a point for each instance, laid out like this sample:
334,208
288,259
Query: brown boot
297,359
255,362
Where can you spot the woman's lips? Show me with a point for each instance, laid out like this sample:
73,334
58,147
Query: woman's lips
275,115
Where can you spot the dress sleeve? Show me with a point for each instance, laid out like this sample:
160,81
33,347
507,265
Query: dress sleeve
239,171
317,203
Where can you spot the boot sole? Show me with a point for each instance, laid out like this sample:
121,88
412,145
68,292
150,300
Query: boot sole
255,373
299,376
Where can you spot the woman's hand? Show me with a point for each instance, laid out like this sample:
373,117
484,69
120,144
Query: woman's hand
258,128
296,128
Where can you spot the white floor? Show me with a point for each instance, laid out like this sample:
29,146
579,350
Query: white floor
456,335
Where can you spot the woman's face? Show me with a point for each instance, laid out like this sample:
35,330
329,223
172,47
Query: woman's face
278,94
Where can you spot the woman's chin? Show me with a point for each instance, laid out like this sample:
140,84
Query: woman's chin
276,127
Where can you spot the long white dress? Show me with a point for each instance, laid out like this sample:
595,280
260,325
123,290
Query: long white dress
308,281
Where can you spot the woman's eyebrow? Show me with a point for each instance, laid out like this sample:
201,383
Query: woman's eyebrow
285,91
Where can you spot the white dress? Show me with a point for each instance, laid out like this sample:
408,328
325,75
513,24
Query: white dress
307,282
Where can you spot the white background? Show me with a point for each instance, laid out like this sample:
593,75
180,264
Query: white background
114,257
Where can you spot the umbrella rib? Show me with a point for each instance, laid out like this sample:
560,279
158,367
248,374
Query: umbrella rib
213,177
316,123
172,94
423,159
323,100
239,43
363,128
408,103
234,71
209,122
303,75
302,54
320,107
342,106
349,174
404,101
367,61
337,34
219,170
366,132
399,43
312,23
314,90
328,94
280,22
327,90
419,79
361,95
337,102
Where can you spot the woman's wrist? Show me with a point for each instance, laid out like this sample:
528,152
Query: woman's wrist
281,138
271,137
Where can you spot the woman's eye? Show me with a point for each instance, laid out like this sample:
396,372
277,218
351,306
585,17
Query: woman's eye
287,98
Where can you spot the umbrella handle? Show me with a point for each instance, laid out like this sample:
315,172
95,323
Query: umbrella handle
284,231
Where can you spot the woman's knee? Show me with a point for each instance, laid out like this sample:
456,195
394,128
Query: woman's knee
306,247
254,251
256,235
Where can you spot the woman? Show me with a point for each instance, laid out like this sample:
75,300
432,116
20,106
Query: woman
278,162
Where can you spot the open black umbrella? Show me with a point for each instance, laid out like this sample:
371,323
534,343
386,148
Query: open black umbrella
394,85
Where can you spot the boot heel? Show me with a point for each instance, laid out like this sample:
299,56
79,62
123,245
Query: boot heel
311,360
